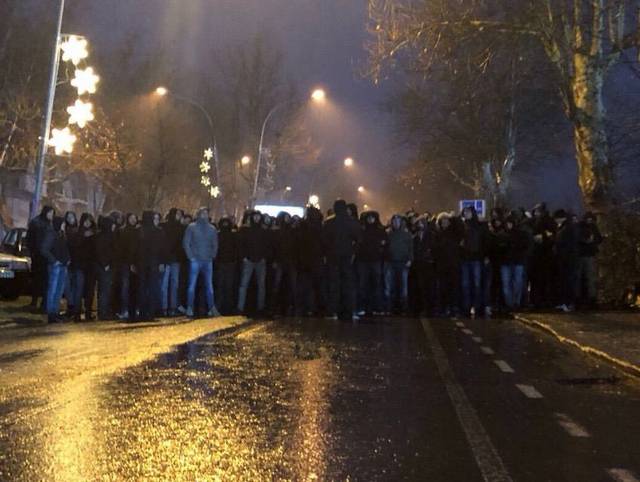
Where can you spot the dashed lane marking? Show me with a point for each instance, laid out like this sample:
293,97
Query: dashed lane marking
467,331
460,324
529,391
571,427
477,339
487,458
504,366
487,351
622,475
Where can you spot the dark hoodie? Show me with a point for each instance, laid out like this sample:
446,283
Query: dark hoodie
38,228
54,245
151,243
174,232
473,238
253,241
374,239
340,234
284,241
400,247
83,247
227,242
590,237
310,240
105,242
127,241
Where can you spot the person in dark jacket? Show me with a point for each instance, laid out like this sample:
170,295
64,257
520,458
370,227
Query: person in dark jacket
150,256
566,249
225,273
472,247
283,288
447,257
83,252
542,264
513,246
370,263
424,266
254,249
104,264
399,260
589,243
310,263
126,258
340,234
200,244
36,231
55,251
71,232
174,233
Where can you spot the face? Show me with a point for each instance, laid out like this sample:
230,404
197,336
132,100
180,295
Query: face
156,220
396,223
509,225
87,223
71,218
257,217
204,215
50,215
444,223
178,215
186,220
467,214
371,219
132,220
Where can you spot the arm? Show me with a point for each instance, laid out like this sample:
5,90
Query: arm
186,243
47,244
215,243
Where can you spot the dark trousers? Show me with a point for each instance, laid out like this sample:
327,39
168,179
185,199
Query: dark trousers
39,278
311,298
283,289
370,281
341,286
426,282
87,290
448,289
566,276
148,291
225,279
541,278
104,278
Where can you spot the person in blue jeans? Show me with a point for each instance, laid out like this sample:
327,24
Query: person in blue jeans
514,245
200,244
55,251
400,257
472,251
174,232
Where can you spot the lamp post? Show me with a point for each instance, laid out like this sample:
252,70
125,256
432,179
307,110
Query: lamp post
318,96
46,125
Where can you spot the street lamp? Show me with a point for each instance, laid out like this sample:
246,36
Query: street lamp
318,96
162,91
348,162
361,189
245,161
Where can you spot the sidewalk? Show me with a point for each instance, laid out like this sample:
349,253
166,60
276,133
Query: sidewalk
611,336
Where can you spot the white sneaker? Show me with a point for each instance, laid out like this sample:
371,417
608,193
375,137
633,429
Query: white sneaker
488,313
189,312
355,318
123,316
331,317
213,313
181,310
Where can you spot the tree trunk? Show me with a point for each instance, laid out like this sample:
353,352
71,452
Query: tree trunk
590,137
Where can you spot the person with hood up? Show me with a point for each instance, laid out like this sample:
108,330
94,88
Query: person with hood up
310,267
71,232
254,248
83,253
590,239
541,269
472,246
566,249
174,233
104,264
284,266
340,235
513,244
200,244
55,251
424,265
36,231
127,255
447,257
370,263
150,258
225,273
399,261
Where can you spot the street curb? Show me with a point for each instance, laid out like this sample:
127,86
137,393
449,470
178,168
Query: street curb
625,366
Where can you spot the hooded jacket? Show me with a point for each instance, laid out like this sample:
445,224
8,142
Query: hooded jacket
253,241
54,245
284,241
374,239
446,245
590,237
340,234
473,239
37,230
127,243
83,247
174,232
227,242
400,246
310,241
200,241
105,243
151,250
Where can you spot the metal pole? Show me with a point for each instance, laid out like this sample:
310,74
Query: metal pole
46,125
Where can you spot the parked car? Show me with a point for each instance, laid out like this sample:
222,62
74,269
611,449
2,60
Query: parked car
15,264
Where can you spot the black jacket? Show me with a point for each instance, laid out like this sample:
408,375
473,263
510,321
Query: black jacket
83,246
228,246
567,242
37,230
589,240
127,245
54,247
513,246
105,243
151,251
340,235
473,240
373,242
424,245
174,233
254,242
447,249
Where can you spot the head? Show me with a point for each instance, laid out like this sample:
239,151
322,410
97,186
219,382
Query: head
187,219
175,215
295,221
70,219
560,217
48,213
314,216
510,223
106,224
397,222
261,219
58,224
540,210
420,224
132,220
469,214
118,218
443,221
284,220
202,216
340,207
157,219
87,221
225,225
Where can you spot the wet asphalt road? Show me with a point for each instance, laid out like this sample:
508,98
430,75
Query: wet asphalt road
308,399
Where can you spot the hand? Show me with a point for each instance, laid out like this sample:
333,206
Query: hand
132,268
408,265
487,261
161,267
106,268
538,238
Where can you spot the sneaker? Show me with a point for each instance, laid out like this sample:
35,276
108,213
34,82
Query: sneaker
355,318
123,316
213,313
189,312
488,313
360,313
182,310
331,317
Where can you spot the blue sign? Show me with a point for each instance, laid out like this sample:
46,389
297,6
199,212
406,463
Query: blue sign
478,204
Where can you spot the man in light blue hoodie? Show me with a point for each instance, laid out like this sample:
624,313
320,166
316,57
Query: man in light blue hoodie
200,244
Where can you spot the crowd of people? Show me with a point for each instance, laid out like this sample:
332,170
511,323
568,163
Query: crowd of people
344,265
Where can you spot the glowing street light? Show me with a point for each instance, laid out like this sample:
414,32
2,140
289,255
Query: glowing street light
288,188
162,91
366,207
74,49
80,113
245,161
314,200
62,140
348,162
319,95
85,81
361,189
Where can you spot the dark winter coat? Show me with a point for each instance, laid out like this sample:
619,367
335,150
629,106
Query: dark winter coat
340,234
151,250
254,242
83,246
400,246
174,232
37,230
54,246
447,249
374,241
310,250
228,246
473,241
567,242
424,245
513,246
590,239
105,243
127,245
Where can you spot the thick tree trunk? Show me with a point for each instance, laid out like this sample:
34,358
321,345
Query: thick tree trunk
590,137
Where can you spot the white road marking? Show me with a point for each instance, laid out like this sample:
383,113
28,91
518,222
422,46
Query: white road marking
459,324
487,351
489,462
467,331
504,366
529,391
622,475
571,427
477,339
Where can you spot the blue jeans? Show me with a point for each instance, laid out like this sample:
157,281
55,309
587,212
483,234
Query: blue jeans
248,268
512,284
196,268
55,286
471,283
396,285
370,284
170,284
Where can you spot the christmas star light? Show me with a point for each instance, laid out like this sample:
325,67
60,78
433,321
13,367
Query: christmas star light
85,81
205,166
205,181
208,154
80,113
214,191
74,49
62,141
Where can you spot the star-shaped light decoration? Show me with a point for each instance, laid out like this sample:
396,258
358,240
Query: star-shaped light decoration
205,181
80,113
62,140
85,81
208,154
74,49
214,191
205,167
